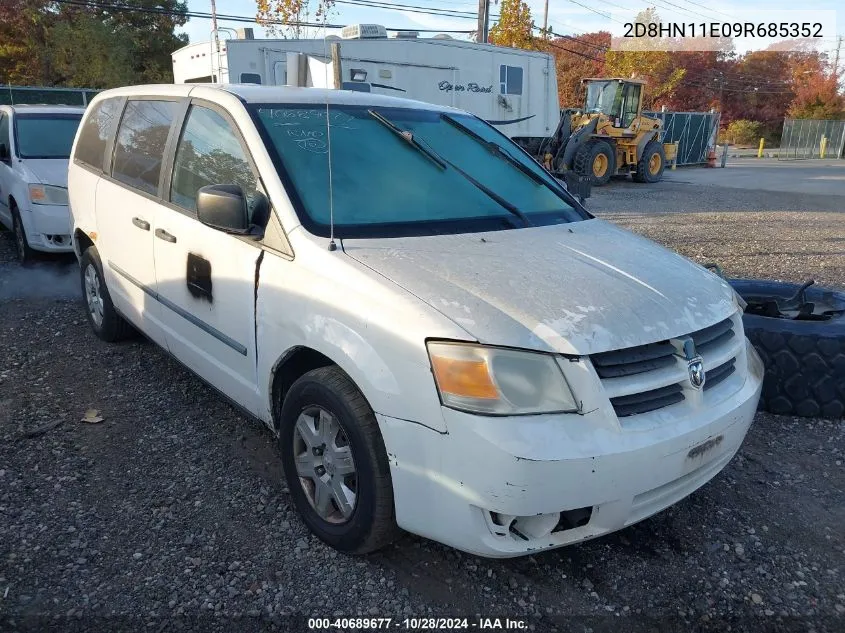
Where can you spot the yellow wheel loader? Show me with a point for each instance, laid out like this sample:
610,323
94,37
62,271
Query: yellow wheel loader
609,136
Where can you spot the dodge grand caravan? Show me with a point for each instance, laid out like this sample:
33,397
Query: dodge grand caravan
442,338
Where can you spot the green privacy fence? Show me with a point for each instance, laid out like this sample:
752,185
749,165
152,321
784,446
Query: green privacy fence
694,132
808,138
17,95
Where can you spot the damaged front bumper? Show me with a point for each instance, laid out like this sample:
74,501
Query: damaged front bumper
509,486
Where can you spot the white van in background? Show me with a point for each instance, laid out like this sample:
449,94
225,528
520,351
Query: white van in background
35,142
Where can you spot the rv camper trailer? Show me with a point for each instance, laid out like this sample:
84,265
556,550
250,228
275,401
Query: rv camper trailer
513,89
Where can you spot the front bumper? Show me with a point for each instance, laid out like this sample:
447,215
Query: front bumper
49,228
468,487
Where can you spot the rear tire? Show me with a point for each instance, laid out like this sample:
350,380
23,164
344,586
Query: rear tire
26,254
652,163
327,426
104,319
596,159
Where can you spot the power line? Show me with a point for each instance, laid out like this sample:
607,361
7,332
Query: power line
108,6
696,4
596,11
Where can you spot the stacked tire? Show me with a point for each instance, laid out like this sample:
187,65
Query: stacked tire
804,359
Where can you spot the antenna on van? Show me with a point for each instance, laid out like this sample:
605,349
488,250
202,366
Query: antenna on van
332,244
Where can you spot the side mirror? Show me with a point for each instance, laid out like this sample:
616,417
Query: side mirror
223,207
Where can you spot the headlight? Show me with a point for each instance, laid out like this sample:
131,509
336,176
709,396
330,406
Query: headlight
498,381
47,194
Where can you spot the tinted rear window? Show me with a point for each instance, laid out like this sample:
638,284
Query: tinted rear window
139,149
99,126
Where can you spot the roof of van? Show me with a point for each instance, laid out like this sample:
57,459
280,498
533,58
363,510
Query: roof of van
26,108
251,93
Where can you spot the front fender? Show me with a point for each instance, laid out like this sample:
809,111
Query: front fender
370,328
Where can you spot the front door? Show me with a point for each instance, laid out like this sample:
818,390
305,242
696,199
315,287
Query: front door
126,206
206,278
5,171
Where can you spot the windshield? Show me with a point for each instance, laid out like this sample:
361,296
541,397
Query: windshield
604,97
400,171
45,135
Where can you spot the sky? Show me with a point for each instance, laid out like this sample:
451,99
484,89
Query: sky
569,17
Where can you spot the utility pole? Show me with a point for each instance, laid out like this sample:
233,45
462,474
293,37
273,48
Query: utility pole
836,60
216,40
483,21
546,20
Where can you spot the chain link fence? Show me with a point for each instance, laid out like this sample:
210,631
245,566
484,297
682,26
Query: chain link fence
808,138
19,95
694,132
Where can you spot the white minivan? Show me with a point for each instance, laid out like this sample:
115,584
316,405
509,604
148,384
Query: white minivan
442,338
35,142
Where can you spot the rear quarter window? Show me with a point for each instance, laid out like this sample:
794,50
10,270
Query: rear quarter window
98,127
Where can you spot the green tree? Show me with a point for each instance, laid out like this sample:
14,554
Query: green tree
86,66
47,43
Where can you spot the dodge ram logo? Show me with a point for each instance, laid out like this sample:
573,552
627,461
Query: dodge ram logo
695,365
696,372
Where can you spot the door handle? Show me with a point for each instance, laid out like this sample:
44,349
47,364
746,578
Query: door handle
141,224
164,235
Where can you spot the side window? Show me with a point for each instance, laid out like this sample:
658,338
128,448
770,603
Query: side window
510,80
99,126
208,153
139,150
632,100
4,131
250,78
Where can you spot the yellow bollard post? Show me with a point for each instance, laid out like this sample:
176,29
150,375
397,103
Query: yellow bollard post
760,151
823,149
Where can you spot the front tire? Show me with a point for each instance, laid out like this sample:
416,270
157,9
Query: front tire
104,319
26,254
596,159
336,464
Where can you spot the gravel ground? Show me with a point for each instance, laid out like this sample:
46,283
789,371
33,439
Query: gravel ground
172,513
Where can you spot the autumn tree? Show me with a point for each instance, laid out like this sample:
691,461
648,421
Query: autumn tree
642,60
575,59
515,26
276,15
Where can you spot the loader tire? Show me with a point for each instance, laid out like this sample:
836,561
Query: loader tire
804,360
652,163
597,160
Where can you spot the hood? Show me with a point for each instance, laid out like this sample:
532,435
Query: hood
48,171
577,288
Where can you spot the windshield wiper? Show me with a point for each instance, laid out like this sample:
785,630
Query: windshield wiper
409,138
443,162
498,150
495,149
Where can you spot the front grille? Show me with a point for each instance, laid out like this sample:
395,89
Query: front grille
653,376
647,400
634,360
717,375
713,336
